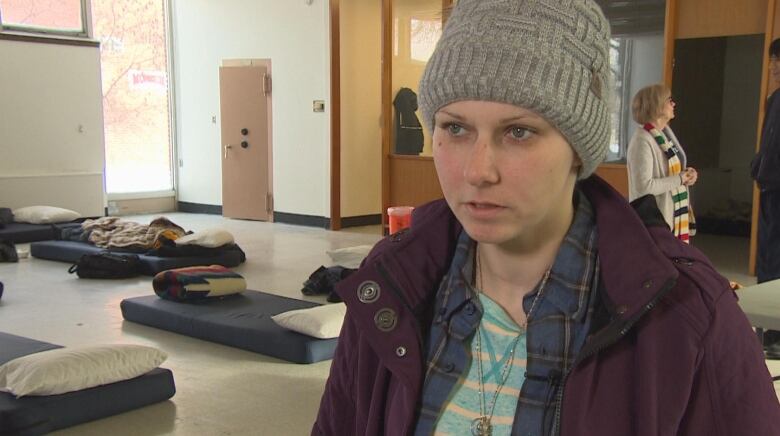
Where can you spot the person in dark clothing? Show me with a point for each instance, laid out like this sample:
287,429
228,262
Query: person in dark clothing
408,131
765,170
534,300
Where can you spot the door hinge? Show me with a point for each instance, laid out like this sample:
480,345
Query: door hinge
269,202
267,84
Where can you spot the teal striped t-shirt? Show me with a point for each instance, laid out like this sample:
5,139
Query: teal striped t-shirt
499,333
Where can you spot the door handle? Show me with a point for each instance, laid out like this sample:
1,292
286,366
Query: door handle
227,147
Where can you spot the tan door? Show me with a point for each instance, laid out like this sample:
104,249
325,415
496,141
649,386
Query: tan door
246,131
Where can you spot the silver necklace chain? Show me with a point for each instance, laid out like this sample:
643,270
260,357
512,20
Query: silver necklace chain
481,425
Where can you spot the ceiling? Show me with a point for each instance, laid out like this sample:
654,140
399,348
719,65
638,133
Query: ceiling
630,17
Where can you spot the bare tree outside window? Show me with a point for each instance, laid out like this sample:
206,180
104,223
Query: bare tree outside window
41,15
134,59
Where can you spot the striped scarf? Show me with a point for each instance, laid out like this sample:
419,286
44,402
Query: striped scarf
683,217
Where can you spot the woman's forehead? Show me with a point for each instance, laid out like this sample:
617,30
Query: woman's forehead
485,109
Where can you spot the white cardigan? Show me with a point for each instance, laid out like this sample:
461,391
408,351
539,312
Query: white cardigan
648,170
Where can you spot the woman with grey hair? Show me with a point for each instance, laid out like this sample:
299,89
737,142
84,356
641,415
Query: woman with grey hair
533,300
657,162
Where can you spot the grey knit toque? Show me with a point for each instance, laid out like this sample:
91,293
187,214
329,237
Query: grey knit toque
549,56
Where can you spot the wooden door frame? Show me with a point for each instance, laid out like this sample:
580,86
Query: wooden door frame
335,116
387,102
670,32
768,37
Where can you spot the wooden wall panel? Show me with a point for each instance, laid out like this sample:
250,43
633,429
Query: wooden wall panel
413,181
707,18
616,175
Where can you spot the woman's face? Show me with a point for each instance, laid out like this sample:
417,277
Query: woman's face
506,173
667,110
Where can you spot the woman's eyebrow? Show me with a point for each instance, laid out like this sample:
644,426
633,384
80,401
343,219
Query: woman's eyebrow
452,115
520,117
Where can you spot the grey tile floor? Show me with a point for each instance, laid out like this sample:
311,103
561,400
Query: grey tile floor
220,390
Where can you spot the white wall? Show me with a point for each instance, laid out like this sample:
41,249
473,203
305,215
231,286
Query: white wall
361,107
295,36
51,127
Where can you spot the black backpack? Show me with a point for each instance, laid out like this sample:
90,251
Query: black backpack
8,252
107,266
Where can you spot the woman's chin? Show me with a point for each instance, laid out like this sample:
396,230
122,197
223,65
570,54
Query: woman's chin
487,234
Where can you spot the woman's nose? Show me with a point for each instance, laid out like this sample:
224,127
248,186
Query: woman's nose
480,169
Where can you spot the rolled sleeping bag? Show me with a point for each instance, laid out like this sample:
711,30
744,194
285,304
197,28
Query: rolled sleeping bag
197,283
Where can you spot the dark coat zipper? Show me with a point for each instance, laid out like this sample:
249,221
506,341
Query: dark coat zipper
608,342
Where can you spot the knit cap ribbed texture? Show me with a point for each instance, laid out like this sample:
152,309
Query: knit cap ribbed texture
549,56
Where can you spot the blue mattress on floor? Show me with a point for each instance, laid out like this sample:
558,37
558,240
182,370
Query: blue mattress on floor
20,233
35,415
71,251
242,321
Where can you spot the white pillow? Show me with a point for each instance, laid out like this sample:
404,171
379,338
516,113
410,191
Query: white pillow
322,322
71,369
350,257
211,238
44,215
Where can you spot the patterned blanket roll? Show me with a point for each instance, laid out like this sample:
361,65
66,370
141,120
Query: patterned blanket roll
197,283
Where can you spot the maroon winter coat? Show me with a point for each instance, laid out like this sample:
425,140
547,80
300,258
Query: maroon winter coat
675,356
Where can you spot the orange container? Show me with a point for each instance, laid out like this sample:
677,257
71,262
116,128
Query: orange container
399,217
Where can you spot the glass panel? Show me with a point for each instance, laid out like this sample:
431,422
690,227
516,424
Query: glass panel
417,27
134,58
636,59
43,14
617,63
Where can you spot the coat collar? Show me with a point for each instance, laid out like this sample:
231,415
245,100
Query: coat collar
634,268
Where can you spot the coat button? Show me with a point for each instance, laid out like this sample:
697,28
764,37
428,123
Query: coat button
368,292
647,284
385,319
449,367
621,309
470,308
400,351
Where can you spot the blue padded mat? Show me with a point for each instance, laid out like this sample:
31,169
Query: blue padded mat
242,321
36,415
71,251
19,233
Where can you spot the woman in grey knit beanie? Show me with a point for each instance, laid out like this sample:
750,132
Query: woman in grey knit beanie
534,300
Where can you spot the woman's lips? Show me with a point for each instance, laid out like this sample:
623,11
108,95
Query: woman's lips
483,210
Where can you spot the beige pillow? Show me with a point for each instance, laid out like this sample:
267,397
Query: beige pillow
44,215
211,238
71,369
322,322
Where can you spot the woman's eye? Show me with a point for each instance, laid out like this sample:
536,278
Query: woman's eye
520,133
454,129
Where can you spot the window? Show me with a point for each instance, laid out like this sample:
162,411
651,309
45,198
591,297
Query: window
424,34
56,17
619,62
136,94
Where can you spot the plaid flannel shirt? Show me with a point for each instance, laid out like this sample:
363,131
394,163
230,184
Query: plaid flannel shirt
555,333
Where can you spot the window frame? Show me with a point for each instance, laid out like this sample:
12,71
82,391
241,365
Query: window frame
85,32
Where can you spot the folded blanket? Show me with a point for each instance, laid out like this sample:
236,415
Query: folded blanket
197,282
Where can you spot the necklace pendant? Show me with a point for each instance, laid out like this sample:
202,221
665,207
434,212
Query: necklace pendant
480,426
